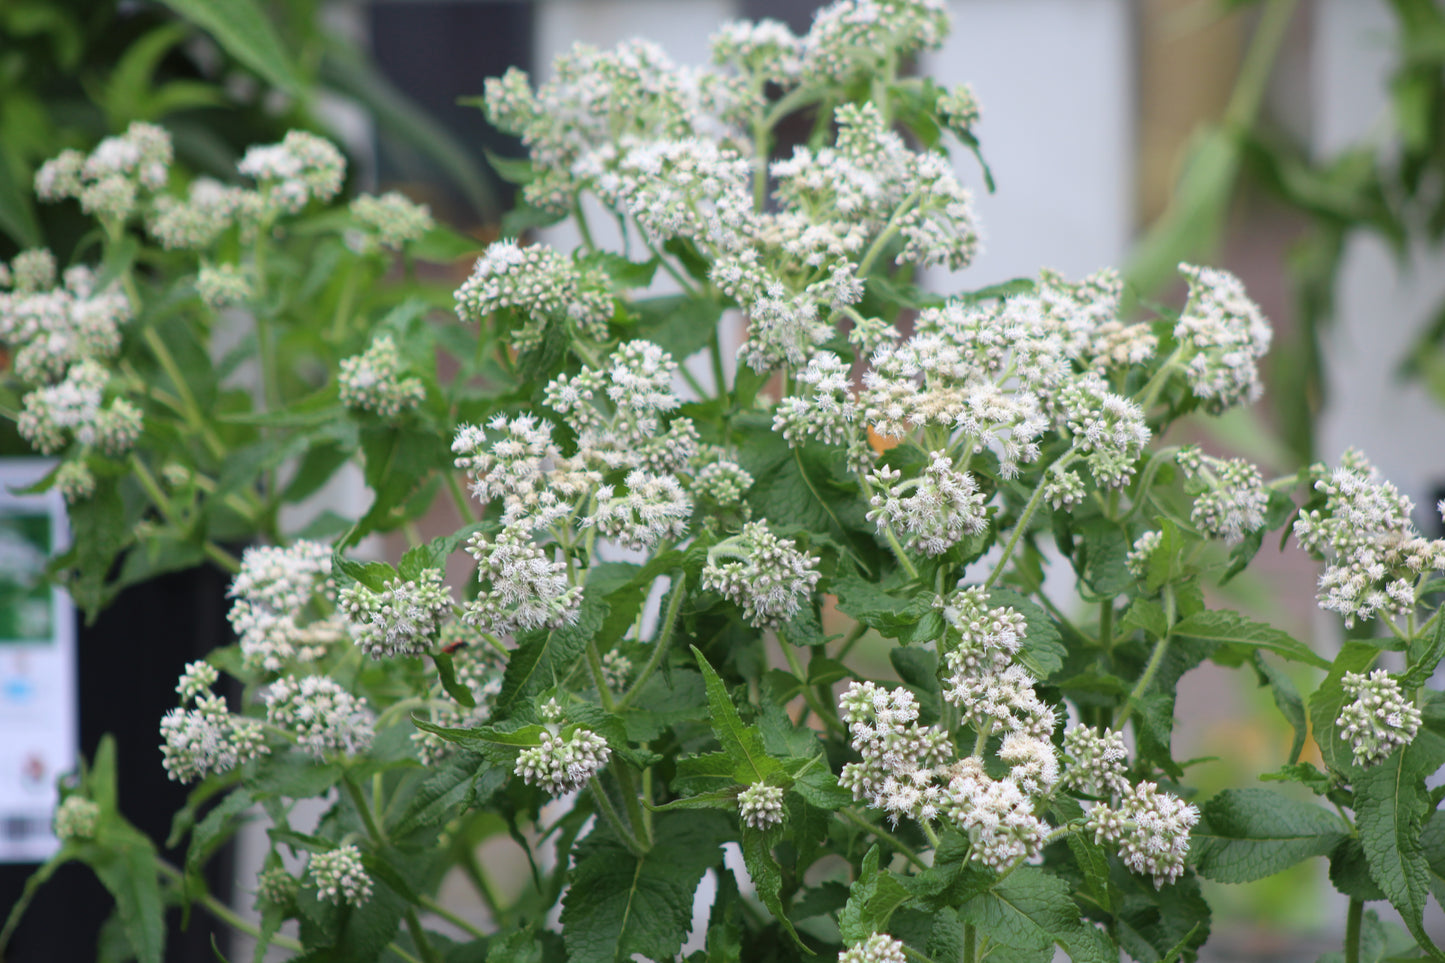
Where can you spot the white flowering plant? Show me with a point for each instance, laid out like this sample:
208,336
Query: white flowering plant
673,568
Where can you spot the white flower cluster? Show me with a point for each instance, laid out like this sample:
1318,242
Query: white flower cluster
281,595
522,588
761,806
479,668
1374,557
324,717
75,410
827,412
1232,501
764,50
49,327
994,694
653,508
616,670
861,37
562,764
392,220
1150,828
1221,335
877,948
401,619
111,180
541,287
76,818
1379,719
767,575
372,381
934,510
1108,430
197,742
195,222
1084,315
340,876
302,168
911,771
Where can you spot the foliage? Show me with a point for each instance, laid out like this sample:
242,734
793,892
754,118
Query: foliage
654,541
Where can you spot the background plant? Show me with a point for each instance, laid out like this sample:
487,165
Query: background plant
909,460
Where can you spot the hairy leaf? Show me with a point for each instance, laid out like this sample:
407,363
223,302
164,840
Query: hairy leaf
1248,834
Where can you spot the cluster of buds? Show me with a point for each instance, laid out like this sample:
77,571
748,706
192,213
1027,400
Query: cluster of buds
401,619
392,220
372,381
1221,335
323,717
542,288
110,181
877,948
563,763
761,806
934,510
50,327
302,168
767,575
1231,499
75,410
1150,828
76,818
340,876
1379,719
722,482
206,739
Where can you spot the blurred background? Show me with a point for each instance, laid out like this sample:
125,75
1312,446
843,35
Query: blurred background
1298,143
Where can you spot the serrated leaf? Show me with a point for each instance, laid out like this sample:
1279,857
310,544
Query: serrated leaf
125,862
743,744
1304,773
1248,834
1029,909
767,876
620,904
1391,805
218,826
1350,871
874,897
1423,657
1231,628
440,795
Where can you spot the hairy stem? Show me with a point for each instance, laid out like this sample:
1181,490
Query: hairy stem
660,647
1352,930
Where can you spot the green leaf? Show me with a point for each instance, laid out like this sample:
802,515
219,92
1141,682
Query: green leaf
1043,651
1248,834
244,32
743,744
874,897
440,796
767,876
1304,773
545,658
1329,699
1423,655
219,825
1233,629
680,324
1030,909
1350,871
619,904
447,673
125,862
1391,805
1287,700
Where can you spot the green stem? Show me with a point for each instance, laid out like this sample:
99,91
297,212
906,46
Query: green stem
464,505
1152,387
970,943
1035,500
1156,658
1352,930
191,410
432,906
599,677
221,557
908,852
418,936
715,351
635,814
609,813
890,230
1106,625
660,647
581,220
227,915
829,719
358,799
1258,64
472,867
